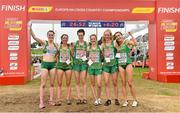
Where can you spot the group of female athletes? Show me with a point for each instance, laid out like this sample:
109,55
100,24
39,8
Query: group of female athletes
106,61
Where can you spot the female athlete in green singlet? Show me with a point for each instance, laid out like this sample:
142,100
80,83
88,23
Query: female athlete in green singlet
109,66
95,68
48,65
64,66
80,66
124,49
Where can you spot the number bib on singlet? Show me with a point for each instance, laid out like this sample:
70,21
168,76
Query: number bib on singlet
122,58
109,53
64,56
80,53
94,56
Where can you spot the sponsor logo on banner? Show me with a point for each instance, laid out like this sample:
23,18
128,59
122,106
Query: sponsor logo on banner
169,48
169,10
169,26
169,65
13,58
13,47
13,24
169,55
13,43
169,58
169,43
15,64
169,38
40,9
13,37
13,54
143,10
94,24
12,8
13,68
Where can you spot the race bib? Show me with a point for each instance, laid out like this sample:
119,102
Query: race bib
68,62
109,53
64,56
117,55
122,58
80,54
108,59
84,58
90,62
94,56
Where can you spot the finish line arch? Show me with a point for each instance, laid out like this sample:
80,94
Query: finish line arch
163,17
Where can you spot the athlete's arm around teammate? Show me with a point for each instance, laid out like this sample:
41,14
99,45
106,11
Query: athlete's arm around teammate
124,48
109,66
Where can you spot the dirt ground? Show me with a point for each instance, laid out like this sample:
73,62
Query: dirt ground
152,96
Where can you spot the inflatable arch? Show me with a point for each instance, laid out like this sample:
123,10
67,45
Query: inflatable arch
163,17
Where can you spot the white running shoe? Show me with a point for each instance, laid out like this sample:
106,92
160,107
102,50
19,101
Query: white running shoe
99,101
135,103
125,104
96,102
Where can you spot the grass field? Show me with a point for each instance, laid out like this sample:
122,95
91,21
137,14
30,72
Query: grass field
153,97
36,51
